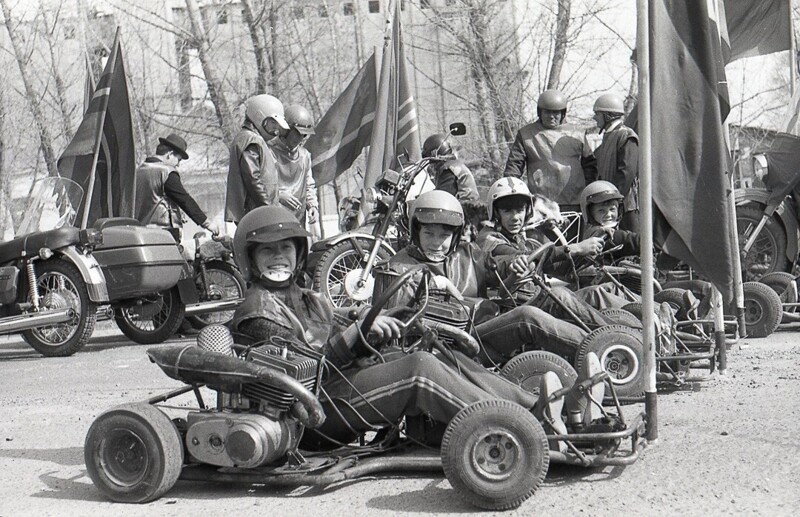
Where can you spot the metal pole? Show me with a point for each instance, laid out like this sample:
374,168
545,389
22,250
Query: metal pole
738,290
719,331
792,58
646,221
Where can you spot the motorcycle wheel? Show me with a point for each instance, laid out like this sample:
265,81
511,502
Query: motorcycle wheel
495,454
621,355
133,453
225,282
526,370
763,309
337,272
60,286
768,253
149,329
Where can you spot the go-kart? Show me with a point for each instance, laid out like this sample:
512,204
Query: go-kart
494,453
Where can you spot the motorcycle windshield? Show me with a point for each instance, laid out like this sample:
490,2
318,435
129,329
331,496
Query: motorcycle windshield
53,203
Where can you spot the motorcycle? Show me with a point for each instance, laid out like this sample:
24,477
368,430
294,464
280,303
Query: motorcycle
494,453
50,282
341,266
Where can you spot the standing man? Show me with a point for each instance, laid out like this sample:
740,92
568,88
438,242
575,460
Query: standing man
618,156
553,153
252,172
297,190
160,195
447,172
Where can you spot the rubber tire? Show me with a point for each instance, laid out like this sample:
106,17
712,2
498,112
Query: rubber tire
622,317
601,341
156,439
219,267
526,369
469,428
779,281
330,258
763,309
674,297
86,312
772,237
634,308
168,326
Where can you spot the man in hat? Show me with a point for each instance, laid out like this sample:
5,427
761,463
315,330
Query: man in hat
160,195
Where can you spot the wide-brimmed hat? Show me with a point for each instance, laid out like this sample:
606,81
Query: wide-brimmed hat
177,143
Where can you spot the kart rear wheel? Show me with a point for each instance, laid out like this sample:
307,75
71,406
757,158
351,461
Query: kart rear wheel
674,297
133,453
780,282
763,309
61,286
621,354
153,322
768,253
621,317
336,274
225,282
495,454
527,368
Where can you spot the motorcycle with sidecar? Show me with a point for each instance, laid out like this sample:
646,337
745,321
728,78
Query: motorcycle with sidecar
494,453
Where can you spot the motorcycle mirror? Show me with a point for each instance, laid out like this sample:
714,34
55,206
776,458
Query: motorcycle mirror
760,166
458,129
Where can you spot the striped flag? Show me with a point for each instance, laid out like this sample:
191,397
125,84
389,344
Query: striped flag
758,28
106,131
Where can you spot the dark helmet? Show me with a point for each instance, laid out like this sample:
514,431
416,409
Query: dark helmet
552,100
300,119
263,225
437,207
436,145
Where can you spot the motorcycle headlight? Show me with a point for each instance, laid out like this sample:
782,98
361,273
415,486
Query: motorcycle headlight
91,237
372,195
760,166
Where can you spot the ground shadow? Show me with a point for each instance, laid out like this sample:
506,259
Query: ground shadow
67,457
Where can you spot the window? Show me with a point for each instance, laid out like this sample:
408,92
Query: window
375,6
222,16
69,32
323,11
347,9
450,3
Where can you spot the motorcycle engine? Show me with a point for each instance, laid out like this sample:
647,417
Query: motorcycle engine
259,428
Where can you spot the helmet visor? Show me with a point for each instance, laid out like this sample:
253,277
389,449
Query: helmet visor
438,216
276,232
601,197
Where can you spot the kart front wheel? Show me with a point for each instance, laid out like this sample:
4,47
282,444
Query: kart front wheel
495,454
621,354
763,309
133,453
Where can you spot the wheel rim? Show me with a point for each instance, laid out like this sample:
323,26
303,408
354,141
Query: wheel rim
753,312
495,455
124,457
620,363
761,258
154,322
221,286
343,270
58,292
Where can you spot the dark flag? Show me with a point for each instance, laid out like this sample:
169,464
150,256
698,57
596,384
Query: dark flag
690,185
783,157
345,128
106,132
758,28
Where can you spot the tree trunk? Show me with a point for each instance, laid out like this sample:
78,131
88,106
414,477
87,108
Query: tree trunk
6,217
61,89
214,85
560,43
45,140
259,47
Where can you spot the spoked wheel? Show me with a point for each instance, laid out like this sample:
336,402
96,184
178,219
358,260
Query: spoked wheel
338,273
61,286
224,283
768,253
526,369
133,453
154,321
621,354
495,454
763,309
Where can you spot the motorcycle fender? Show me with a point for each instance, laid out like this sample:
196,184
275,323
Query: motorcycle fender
90,271
788,216
751,195
333,241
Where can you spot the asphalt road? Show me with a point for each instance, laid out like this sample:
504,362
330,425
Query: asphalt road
727,445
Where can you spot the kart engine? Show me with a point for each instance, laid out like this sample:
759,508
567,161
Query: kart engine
257,427
443,308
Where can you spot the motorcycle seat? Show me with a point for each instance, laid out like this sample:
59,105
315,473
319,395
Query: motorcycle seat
33,242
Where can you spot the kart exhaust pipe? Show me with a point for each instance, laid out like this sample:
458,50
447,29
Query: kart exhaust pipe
35,319
193,309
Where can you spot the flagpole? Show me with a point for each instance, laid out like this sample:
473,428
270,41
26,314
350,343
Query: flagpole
646,220
792,57
99,134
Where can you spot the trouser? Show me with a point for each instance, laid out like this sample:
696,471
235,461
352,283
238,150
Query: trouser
411,384
582,310
603,296
527,328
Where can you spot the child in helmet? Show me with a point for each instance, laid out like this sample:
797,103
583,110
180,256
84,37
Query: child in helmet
447,172
462,270
358,393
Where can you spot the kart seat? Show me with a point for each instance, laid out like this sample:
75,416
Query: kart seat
33,242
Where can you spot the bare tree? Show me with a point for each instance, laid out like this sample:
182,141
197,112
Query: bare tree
48,30
560,43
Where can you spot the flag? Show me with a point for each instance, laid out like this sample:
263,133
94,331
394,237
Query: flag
345,129
396,129
106,131
758,28
690,186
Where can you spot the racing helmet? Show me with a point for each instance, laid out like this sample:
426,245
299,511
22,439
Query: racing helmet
508,187
300,119
436,145
259,108
552,100
610,103
437,207
263,225
597,192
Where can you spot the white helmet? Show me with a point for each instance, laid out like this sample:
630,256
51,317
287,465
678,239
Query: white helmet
507,187
259,108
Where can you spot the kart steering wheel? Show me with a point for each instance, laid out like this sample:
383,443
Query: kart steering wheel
513,282
386,295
